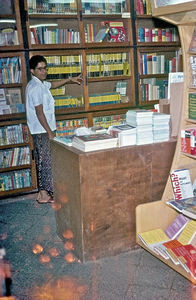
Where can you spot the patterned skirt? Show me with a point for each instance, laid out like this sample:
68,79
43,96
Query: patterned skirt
42,154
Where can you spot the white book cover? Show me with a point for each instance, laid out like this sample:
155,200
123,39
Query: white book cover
181,183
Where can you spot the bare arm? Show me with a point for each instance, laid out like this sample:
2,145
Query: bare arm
41,117
55,84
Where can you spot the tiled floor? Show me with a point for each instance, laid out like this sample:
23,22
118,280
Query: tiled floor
54,275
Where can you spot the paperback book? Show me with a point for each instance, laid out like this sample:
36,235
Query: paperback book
185,206
181,183
94,142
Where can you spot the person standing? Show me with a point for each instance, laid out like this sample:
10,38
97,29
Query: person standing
40,111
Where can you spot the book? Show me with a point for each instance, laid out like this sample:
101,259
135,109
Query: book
116,31
153,236
66,140
98,129
94,142
187,233
181,183
178,224
168,246
126,134
185,206
14,96
101,35
187,257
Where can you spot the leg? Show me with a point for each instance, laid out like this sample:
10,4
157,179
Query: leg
44,167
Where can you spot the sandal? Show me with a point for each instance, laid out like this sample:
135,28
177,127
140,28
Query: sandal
50,199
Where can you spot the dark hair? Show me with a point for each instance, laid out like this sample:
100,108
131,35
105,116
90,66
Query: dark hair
34,60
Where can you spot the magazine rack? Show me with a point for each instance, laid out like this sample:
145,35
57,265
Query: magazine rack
157,214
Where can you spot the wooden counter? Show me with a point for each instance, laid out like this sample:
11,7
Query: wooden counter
97,193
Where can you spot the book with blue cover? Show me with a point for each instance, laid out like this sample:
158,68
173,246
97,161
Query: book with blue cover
185,206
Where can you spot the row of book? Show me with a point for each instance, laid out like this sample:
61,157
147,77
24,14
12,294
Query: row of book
104,70
106,58
63,74
15,180
103,7
68,102
146,35
151,63
110,120
144,7
67,127
42,35
63,60
10,71
153,89
14,157
104,99
51,7
14,134
72,70
176,243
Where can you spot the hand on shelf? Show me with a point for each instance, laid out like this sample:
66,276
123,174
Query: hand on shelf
78,79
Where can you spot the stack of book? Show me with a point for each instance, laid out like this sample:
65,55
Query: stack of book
161,127
142,120
176,243
93,142
126,134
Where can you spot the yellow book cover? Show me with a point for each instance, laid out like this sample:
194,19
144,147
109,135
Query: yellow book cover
187,233
153,236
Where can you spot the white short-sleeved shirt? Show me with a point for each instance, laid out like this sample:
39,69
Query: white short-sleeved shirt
38,92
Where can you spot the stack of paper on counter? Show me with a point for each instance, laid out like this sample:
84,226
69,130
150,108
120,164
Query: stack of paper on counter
142,119
126,134
161,127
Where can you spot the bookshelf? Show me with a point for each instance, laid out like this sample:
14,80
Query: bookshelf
107,66
158,44
148,216
17,166
10,26
73,24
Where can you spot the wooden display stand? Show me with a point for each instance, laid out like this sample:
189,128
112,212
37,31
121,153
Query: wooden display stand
158,214
96,193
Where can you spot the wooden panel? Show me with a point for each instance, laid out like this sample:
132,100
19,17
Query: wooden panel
67,194
102,189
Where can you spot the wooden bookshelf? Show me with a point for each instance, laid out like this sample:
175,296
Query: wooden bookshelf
158,214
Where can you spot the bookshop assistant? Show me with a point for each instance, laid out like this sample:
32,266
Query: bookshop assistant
41,122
